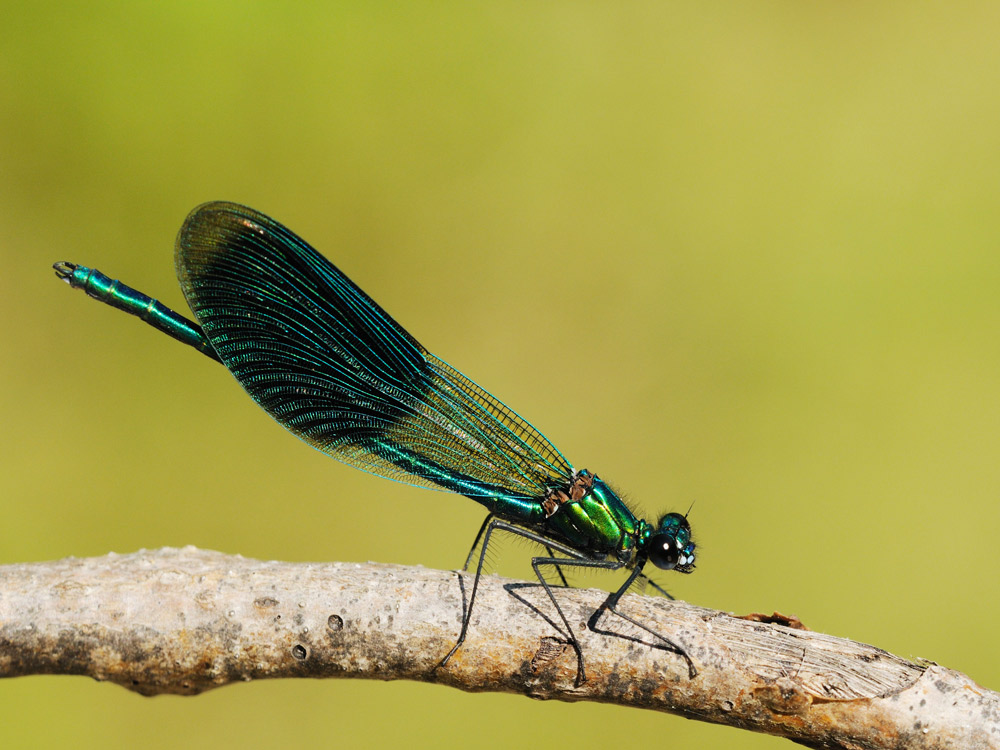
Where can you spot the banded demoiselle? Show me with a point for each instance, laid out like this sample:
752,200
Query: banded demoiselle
333,368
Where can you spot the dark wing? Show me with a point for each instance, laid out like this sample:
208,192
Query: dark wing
333,368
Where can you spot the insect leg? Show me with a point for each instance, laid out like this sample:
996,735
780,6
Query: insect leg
556,562
650,582
475,543
493,524
562,578
612,603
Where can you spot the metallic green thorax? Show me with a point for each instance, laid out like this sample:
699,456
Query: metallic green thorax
598,523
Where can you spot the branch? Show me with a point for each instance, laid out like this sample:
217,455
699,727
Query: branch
184,621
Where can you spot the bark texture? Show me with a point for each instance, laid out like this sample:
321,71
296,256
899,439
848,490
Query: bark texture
184,621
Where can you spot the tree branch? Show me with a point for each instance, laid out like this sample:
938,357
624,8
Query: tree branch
183,621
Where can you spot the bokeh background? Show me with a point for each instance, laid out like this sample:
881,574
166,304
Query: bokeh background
738,254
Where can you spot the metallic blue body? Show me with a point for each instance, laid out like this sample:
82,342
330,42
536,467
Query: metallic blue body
332,367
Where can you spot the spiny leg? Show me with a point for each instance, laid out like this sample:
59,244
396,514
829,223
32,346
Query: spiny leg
479,535
475,543
562,578
492,524
647,581
612,603
574,559
556,562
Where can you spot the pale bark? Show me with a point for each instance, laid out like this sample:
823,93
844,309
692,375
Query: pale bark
183,621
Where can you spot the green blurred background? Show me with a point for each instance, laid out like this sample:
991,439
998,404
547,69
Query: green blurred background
739,254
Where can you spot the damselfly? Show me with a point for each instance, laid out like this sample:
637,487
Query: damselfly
337,371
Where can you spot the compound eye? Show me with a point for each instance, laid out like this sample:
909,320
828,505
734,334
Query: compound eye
663,552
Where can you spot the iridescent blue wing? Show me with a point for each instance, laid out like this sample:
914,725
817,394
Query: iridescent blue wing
333,368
